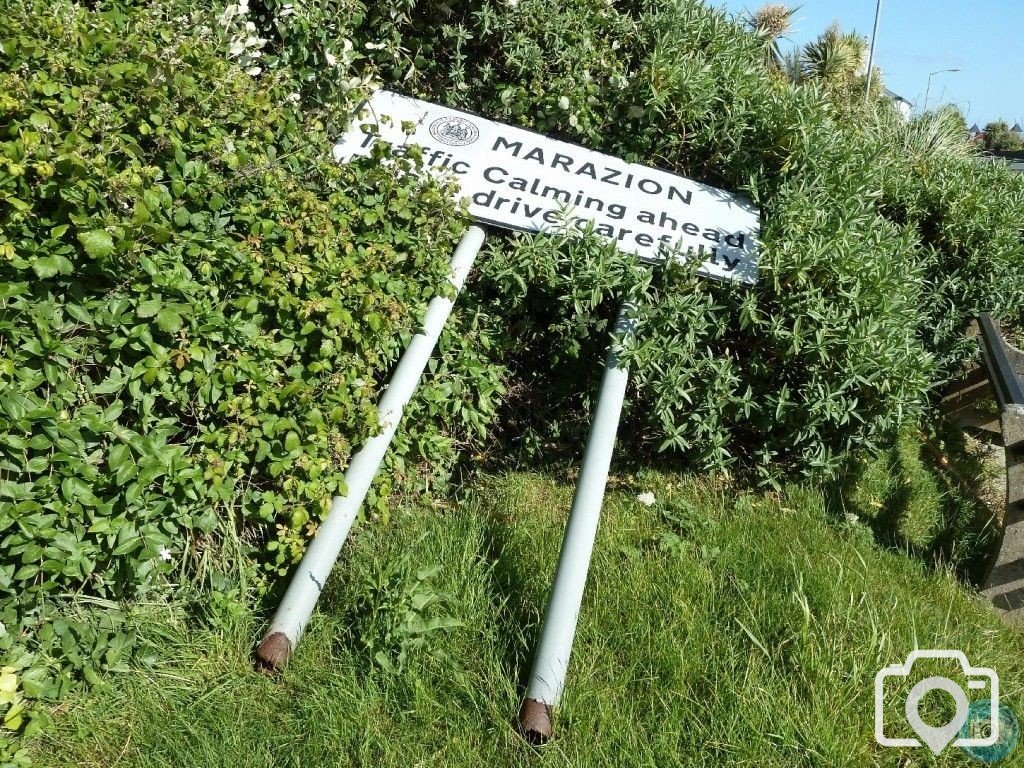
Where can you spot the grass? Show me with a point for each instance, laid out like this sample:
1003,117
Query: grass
719,628
911,502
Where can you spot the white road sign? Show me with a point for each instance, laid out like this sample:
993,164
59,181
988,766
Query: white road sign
522,180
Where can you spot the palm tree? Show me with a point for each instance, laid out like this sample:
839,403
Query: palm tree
835,59
770,23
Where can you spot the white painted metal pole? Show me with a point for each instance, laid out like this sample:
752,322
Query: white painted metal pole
551,660
305,587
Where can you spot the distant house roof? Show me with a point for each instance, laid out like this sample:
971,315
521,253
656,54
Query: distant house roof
896,97
975,130
1017,129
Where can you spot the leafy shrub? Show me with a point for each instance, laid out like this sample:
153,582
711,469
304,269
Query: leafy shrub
999,137
198,309
396,610
880,240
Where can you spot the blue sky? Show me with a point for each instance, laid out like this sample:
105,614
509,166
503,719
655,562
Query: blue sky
983,38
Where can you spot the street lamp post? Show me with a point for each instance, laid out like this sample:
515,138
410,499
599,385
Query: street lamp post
871,51
928,90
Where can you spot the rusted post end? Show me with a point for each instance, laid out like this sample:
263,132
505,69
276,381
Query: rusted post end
1004,584
535,721
273,653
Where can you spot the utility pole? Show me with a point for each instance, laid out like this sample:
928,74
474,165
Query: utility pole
871,52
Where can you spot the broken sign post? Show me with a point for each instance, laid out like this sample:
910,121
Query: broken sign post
304,589
517,179
558,629
551,658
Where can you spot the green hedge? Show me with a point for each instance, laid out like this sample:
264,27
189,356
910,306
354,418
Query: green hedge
198,310
881,239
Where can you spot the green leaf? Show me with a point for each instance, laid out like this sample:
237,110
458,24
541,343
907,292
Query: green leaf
97,243
129,545
168,320
149,308
118,455
39,120
78,312
47,266
76,489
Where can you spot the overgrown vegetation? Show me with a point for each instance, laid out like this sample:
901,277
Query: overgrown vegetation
875,256
198,308
999,137
924,495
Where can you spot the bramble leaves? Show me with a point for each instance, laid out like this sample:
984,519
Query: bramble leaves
196,322
97,243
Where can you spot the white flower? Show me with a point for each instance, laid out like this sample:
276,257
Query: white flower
331,61
253,71
646,498
164,553
293,97
563,102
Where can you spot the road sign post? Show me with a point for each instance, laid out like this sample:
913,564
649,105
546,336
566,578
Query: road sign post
520,180
551,658
308,581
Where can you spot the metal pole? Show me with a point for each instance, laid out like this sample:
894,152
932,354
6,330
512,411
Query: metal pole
928,89
547,677
307,583
871,52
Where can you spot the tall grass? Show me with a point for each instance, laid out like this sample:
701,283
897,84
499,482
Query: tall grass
719,628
